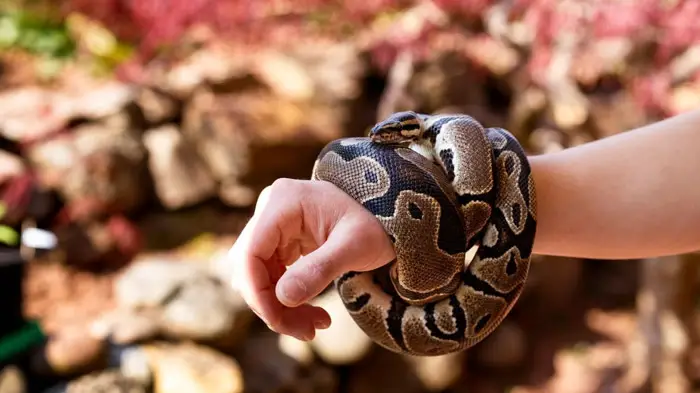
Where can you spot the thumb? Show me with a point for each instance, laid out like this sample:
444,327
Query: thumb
311,274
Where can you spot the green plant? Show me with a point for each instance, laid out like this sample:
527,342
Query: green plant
8,235
35,34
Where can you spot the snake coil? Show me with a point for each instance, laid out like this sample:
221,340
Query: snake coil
458,202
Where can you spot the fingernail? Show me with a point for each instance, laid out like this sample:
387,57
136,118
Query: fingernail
293,290
300,337
321,324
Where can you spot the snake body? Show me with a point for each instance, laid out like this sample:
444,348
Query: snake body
458,202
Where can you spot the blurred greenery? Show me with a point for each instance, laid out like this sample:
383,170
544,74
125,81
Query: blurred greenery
41,36
8,235
56,41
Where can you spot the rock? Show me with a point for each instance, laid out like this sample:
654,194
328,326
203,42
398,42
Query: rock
133,364
10,166
546,140
97,243
298,350
606,109
176,299
438,373
71,351
33,113
493,54
321,70
343,342
685,65
600,57
267,369
200,310
149,281
439,81
505,347
111,381
527,105
684,98
180,176
554,281
99,101
384,372
157,107
215,62
12,380
30,113
191,368
568,107
97,164
250,138
126,326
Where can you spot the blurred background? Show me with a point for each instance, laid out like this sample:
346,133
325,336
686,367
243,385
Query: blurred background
135,137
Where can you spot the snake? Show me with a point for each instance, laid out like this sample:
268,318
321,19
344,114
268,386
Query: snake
457,201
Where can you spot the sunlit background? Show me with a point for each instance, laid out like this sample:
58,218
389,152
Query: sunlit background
135,136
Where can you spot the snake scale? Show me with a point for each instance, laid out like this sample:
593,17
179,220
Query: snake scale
458,202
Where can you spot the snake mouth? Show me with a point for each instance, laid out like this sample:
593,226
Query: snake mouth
388,137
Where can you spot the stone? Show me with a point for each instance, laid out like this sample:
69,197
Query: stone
149,281
321,70
505,347
384,372
70,351
606,109
546,140
438,373
298,350
191,368
554,281
10,166
213,63
157,107
34,113
126,326
180,176
250,138
184,300
12,380
268,369
30,113
684,98
493,54
133,364
200,310
343,342
439,81
97,164
111,381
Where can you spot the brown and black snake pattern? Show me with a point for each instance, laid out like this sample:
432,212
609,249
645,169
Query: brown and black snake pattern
460,187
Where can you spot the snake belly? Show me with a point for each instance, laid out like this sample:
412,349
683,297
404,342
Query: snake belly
476,191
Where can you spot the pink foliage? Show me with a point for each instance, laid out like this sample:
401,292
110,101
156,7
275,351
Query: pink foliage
158,23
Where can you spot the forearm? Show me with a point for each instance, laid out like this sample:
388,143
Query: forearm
632,195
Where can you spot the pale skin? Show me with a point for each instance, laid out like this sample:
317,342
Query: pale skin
632,195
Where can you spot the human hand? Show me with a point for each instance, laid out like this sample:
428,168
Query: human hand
316,232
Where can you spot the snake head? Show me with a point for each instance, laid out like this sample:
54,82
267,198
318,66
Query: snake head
397,128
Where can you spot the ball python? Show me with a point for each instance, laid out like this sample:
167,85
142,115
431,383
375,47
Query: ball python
458,202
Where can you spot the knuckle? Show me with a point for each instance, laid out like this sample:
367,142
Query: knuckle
282,184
